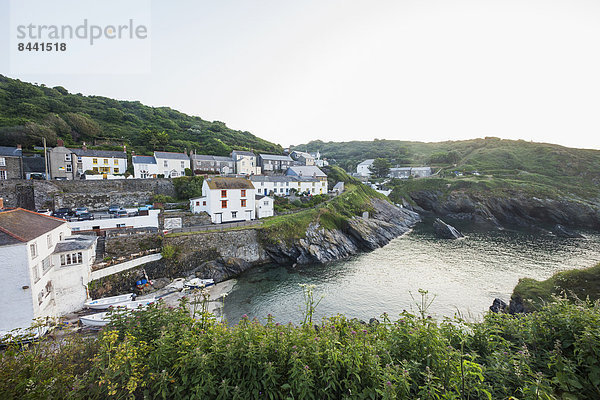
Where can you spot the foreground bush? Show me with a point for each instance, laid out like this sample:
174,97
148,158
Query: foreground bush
164,353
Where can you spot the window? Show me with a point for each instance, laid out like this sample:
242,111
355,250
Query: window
234,214
223,193
79,159
166,164
223,203
3,175
94,160
69,168
68,157
183,164
60,236
2,162
49,240
106,161
116,161
35,273
116,170
243,202
46,264
197,203
266,202
204,203
243,192
95,169
120,225
33,250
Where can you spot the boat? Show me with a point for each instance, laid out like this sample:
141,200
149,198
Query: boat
198,283
23,335
105,302
135,304
96,320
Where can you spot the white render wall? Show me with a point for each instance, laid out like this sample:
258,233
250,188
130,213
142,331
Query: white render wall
88,164
16,305
70,282
264,207
141,221
172,168
149,170
213,204
283,188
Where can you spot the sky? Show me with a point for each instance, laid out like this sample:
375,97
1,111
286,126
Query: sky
340,70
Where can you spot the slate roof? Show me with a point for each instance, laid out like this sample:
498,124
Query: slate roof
171,156
99,153
21,225
281,178
244,153
34,164
229,183
308,170
143,160
367,162
275,157
10,152
75,242
203,157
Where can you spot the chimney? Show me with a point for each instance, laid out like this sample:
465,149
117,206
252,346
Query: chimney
84,147
19,147
132,153
60,143
125,149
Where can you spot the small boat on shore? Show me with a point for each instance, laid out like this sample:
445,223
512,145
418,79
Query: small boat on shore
198,283
135,304
101,319
95,320
105,302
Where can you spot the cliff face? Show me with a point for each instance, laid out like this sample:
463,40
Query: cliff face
323,245
517,209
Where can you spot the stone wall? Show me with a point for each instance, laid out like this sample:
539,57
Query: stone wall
122,246
187,218
95,195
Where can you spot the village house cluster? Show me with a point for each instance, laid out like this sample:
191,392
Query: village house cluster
363,169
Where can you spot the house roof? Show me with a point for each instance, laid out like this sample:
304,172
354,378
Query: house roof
99,153
202,157
339,185
21,225
302,154
401,169
281,178
308,170
143,160
243,153
75,242
10,152
34,164
275,157
171,156
367,162
229,183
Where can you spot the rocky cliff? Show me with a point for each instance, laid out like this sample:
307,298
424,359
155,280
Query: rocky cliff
321,245
509,209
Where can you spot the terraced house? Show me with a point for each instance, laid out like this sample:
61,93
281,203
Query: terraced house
11,162
171,165
203,164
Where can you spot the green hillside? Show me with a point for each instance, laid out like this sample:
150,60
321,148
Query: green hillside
506,162
30,112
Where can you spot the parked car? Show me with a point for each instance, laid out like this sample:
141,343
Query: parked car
113,209
122,213
63,213
44,211
86,216
81,210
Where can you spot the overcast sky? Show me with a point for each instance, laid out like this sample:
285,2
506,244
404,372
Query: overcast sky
294,71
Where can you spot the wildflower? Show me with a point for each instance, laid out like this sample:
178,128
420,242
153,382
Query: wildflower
389,383
245,316
306,367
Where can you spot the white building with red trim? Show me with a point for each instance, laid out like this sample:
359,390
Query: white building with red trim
226,200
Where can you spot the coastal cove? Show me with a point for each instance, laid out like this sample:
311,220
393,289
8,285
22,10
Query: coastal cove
464,275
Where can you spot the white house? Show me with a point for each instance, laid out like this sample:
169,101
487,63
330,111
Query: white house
264,206
226,200
44,273
100,161
245,163
364,168
286,185
171,165
144,167
307,172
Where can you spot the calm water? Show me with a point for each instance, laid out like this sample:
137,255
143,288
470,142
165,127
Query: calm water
464,275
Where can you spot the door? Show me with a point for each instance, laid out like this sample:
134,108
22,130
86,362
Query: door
218,218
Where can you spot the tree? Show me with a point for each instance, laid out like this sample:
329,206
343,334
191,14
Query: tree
380,167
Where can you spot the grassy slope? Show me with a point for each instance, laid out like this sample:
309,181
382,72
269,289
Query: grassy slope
581,283
30,111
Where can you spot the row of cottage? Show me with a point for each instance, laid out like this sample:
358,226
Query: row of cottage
364,169
73,163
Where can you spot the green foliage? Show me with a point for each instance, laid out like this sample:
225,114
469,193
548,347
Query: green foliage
575,284
108,122
161,198
165,353
283,204
169,252
380,167
188,187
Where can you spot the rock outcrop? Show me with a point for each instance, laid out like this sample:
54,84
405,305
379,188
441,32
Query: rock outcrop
498,306
322,245
221,268
515,209
445,231
561,231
